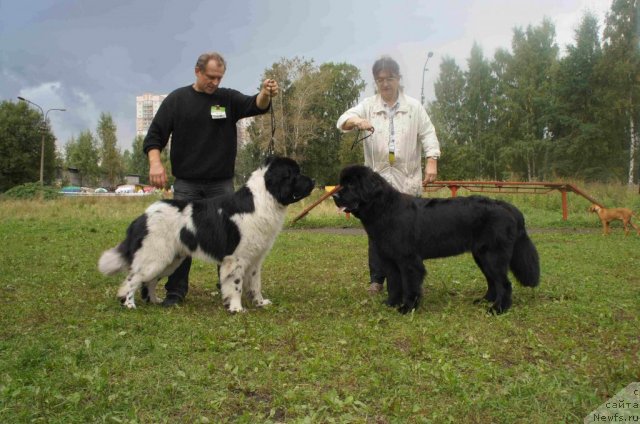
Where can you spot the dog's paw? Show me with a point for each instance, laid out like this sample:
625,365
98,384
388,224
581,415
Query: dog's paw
500,306
128,303
405,309
262,303
496,310
236,309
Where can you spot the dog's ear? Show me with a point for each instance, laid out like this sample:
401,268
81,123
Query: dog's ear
371,186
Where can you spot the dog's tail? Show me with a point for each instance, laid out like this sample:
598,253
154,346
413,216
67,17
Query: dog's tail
120,257
112,262
525,263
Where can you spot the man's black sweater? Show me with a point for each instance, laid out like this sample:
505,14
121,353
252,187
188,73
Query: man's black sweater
202,148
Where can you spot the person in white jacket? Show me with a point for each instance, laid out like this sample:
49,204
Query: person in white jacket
401,132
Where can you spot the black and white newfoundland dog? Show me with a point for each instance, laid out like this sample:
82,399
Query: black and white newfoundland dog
405,230
236,230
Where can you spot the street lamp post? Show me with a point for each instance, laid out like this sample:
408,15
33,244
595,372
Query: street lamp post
424,69
42,130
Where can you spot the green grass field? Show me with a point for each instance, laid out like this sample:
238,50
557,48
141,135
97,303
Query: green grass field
325,351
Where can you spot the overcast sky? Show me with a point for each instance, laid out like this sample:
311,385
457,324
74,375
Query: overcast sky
93,56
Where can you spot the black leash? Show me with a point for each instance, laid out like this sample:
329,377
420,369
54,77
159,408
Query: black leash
360,139
271,148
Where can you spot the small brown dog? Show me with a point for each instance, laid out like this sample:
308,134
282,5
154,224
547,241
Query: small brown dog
608,215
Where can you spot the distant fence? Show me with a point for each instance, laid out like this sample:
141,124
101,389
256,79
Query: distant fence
509,187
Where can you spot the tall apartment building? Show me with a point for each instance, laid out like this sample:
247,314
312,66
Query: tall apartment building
146,107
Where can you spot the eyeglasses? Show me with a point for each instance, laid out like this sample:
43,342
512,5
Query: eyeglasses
388,80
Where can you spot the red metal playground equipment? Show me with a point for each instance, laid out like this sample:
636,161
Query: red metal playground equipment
505,187
508,187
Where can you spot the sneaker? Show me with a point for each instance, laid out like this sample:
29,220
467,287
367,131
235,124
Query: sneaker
375,288
171,300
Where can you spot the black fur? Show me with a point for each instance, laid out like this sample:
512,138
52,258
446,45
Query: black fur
281,170
136,233
406,230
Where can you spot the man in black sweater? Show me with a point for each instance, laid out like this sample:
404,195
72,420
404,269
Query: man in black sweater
201,120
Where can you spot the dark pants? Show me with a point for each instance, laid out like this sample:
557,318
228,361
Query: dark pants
178,282
375,266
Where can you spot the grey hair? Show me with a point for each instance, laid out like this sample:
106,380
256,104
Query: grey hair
386,63
204,58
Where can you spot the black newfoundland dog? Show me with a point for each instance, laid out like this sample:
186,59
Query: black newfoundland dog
405,230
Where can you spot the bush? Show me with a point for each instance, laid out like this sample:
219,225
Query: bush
31,191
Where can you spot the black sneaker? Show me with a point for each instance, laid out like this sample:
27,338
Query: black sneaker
171,300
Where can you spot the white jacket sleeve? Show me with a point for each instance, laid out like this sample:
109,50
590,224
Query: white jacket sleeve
357,111
427,135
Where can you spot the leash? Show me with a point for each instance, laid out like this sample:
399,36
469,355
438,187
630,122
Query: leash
271,148
360,139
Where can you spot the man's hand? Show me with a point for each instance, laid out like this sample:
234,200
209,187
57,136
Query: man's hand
157,173
268,90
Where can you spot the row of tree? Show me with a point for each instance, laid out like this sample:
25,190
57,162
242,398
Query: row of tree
95,155
100,161
530,114
527,113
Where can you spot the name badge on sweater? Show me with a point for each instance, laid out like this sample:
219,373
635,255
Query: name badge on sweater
218,112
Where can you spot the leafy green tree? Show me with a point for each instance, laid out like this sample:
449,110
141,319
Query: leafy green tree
311,100
21,130
447,115
338,88
620,74
581,147
83,154
110,157
447,110
479,112
529,106
136,161
292,127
